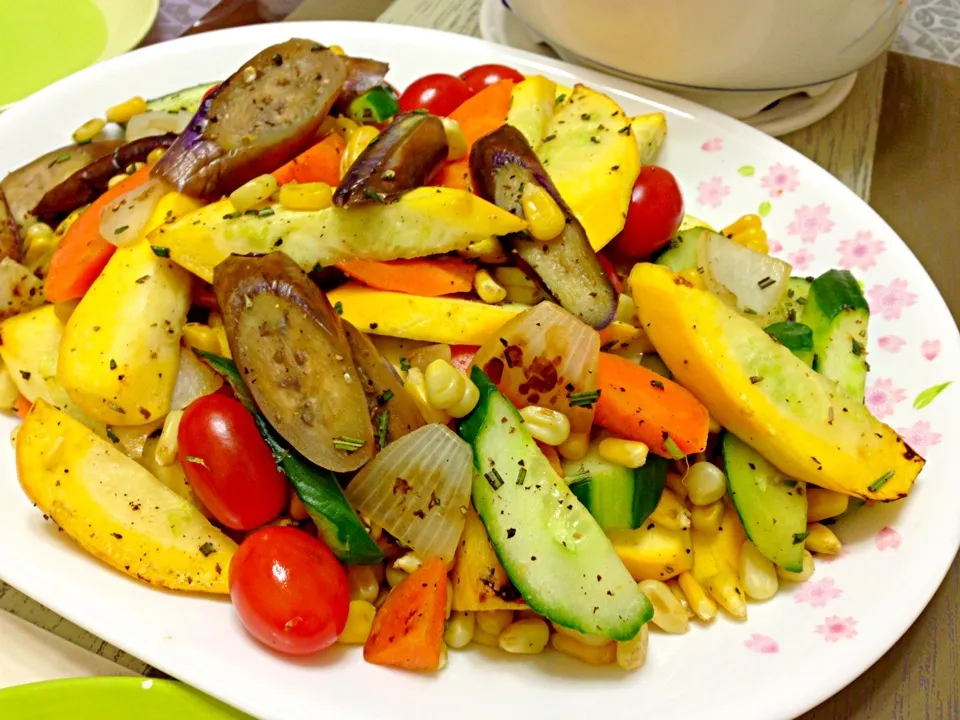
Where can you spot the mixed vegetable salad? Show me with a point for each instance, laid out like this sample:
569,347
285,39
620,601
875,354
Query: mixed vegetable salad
424,369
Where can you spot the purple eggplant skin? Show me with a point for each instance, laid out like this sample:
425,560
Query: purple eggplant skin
399,159
25,186
88,183
249,127
11,244
501,163
363,74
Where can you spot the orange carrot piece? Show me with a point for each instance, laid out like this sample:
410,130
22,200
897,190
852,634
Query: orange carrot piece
407,631
638,404
22,406
82,254
319,163
481,114
416,277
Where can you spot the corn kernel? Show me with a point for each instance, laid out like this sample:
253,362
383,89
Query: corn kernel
546,425
805,574
744,222
525,637
362,583
254,192
116,180
488,251
202,337
822,540
456,142
494,622
221,333
416,387
725,588
544,217
482,637
395,576
591,640
705,483
445,385
345,126
460,629
575,446
748,231
468,402
409,563
166,451
693,276
668,613
38,231
706,518
605,654
670,513
357,142
336,50
306,196
758,575
626,453
823,504
701,604
359,622
632,654
124,111
154,155
89,130
674,587
249,74
488,289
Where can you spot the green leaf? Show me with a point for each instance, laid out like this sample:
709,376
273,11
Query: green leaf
764,209
929,395
746,170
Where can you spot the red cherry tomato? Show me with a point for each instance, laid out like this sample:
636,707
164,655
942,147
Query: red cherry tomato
228,464
655,213
461,356
479,77
438,94
289,590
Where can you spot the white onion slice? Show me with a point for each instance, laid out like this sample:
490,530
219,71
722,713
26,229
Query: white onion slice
750,281
417,488
157,122
544,355
123,220
194,380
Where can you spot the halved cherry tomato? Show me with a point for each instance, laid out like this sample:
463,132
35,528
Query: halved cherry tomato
461,356
228,464
289,590
438,94
477,78
655,213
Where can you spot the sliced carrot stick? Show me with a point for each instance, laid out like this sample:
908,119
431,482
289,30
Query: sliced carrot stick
320,163
481,114
22,406
407,631
638,404
416,277
82,254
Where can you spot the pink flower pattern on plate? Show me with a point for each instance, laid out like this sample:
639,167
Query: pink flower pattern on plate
763,644
882,396
930,349
887,539
712,145
801,259
809,222
889,301
836,628
712,192
774,246
919,436
818,592
860,251
891,343
780,179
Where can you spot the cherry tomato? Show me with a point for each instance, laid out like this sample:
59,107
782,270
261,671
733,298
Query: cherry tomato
289,590
655,213
228,464
461,356
438,94
477,78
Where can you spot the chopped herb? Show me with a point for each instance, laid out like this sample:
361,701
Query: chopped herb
277,59
160,252
754,379
116,408
493,477
113,364
657,384
583,399
577,478
857,348
522,186
511,532
625,130
560,98
251,211
389,174
338,308
521,475
374,195
112,435
404,363
122,229
594,140
208,549
800,537
419,111
789,483
548,138
266,212
671,447
382,423
85,142
766,282
584,116
142,279
347,443
749,311
25,374
880,481
61,158
385,398
196,461
801,301
232,216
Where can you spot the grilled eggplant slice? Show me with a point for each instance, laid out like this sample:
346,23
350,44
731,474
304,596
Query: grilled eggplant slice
400,158
501,163
263,115
363,74
291,349
11,245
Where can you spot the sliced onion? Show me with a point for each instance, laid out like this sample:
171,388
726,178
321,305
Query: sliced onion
750,281
417,489
123,220
157,122
542,357
194,380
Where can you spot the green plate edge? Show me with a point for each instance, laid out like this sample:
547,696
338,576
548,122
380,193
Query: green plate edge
112,698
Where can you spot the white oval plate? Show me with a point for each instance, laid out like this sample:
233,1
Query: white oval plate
792,653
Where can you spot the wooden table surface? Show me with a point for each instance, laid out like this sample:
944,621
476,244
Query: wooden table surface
920,677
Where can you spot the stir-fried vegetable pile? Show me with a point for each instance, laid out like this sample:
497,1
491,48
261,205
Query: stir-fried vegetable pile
423,370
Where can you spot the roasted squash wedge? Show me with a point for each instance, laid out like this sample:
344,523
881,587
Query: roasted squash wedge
478,579
653,552
756,388
115,509
531,106
714,552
